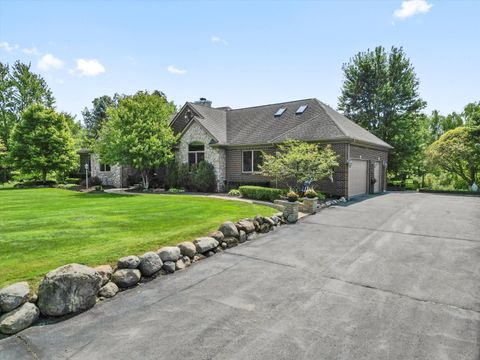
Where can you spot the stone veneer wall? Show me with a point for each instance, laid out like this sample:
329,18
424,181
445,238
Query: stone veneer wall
214,155
112,178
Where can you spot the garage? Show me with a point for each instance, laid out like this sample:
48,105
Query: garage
357,178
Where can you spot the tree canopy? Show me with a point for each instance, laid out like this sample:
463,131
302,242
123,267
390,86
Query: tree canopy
380,93
138,133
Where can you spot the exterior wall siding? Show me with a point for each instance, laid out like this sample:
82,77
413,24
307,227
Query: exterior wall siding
114,177
372,155
214,155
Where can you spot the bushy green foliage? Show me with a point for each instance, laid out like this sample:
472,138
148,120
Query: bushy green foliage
203,177
234,192
199,177
260,193
321,196
310,193
292,196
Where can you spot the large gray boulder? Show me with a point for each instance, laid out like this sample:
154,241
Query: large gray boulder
68,289
217,235
13,296
128,262
187,248
169,253
242,236
125,278
150,264
109,290
205,244
105,272
19,319
246,225
229,229
231,241
169,267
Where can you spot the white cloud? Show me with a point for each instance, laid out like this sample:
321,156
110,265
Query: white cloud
49,62
31,51
218,40
8,47
411,8
90,67
173,70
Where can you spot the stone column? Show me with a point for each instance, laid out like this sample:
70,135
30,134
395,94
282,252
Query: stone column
290,211
310,205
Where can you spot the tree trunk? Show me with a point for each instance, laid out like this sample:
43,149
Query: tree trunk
145,179
44,176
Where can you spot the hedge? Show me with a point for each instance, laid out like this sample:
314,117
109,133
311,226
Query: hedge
260,193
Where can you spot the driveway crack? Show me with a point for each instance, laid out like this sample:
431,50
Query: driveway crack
28,346
260,259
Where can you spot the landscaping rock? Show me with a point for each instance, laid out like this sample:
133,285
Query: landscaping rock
169,266
19,319
109,290
205,244
231,241
150,263
209,253
13,296
252,236
228,229
224,245
259,219
269,221
275,219
125,278
105,272
242,236
179,264
187,248
187,261
219,249
33,299
217,235
169,253
68,289
257,226
246,225
128,262
264,228
198,257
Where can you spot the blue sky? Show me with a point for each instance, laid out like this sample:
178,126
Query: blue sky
238,53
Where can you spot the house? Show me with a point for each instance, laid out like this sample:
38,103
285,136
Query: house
233,141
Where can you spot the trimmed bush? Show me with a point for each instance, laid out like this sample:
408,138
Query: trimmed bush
234,192
260,193
203,177
321,196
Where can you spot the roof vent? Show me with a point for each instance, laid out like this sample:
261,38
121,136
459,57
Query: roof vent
204,102
280,112
301,110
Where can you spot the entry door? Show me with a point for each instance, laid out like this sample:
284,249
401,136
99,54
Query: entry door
357,178
376,174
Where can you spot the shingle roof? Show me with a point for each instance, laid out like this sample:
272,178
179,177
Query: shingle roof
258,125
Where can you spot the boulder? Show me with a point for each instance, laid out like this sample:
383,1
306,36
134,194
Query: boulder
169,266
33,299
257,225
217,235
68,289
198,257
264,228
125,278
224,245
269,221
179,264
150,263
169,253
209,253
259,219
252,236
231,241
19,319
128,262
105,272
246,225
205,244
187,261
187,248
242,236
13,296
109,290
228,229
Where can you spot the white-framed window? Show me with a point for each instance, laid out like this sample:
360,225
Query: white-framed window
251,161
196,153
105,167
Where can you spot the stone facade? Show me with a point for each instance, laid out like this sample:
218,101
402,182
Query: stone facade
114,177
214,155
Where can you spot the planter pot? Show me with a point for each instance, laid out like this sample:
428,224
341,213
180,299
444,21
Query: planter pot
290,211
310,205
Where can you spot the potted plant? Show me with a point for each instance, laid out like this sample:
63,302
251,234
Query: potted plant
292,196
310,193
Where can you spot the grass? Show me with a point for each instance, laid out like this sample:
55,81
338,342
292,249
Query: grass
41,229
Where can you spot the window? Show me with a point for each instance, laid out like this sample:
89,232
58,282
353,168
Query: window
196,153
301,110
104,167
252,159
280,112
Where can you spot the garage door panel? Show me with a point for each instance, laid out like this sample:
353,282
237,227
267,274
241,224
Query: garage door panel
357,178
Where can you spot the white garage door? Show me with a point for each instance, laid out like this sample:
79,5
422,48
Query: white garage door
357,178
376,174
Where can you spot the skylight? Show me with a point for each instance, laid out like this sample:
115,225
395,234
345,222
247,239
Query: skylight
280,112
301,109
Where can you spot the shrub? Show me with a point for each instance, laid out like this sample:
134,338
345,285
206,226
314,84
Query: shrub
184,177
234,192
310,193
73,180
292,196
175,190
260,193
203,177
93,181
321,196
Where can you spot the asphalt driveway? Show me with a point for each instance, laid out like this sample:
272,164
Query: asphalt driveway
391,277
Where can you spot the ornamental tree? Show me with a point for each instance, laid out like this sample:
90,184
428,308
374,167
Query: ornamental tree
295,162
137,133
42,142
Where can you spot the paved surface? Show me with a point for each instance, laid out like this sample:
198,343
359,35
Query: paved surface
391,277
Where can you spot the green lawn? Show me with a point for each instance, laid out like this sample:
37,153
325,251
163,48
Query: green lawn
41,229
